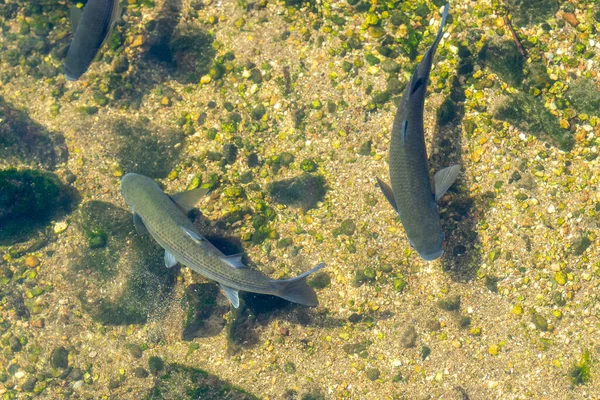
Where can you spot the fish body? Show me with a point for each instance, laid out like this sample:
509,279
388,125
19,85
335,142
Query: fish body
412,194
91,28
164,218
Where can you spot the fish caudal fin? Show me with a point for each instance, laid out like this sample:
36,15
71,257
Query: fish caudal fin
297,290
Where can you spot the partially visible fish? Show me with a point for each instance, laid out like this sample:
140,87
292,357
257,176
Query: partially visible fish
164,217
413,195
92,26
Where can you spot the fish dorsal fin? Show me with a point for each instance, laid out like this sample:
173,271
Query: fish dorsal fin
443,179
76,14
416,84
140,228
170,260
387,192
235,260
195,237
232,295
188,199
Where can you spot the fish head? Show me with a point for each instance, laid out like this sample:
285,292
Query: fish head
71,74
431,249
136,186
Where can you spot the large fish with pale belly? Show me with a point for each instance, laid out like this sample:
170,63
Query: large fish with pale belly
413,195
164,217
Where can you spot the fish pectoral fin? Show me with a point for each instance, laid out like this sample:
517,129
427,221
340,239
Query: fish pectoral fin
76,14
235,260
387,192
188,199
170,260
232,294
443,179
195,237
140,228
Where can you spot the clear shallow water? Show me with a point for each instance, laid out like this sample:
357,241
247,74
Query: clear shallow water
284,111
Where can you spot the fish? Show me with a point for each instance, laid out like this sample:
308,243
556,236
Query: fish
164,217
413,194
91,26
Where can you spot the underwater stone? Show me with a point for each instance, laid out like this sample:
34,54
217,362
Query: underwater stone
155,365
60,358
320,280
372,374
408,338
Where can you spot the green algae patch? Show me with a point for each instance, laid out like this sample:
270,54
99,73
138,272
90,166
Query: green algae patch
29,199
180,382
580,373
529,114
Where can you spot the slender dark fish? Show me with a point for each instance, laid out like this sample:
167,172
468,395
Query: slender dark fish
413,195
91,27
165,218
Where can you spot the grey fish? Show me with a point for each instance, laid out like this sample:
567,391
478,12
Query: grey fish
412,194
164,217
91,27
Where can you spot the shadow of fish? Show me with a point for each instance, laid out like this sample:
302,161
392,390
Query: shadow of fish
91,27
164,217
412,194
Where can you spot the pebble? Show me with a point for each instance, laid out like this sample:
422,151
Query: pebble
409,337
78,385
32,261
137,41
60,227
93,354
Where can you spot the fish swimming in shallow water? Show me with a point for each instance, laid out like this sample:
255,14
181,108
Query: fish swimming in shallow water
164,217
412,194
91,27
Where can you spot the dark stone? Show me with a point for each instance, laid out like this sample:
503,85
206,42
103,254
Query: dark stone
60,358
155,365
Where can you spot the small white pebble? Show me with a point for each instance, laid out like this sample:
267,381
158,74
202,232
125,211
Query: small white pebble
93,354
78,385
60,227
19,374
551,209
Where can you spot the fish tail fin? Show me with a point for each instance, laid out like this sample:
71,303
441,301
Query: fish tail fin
297,290
440,32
